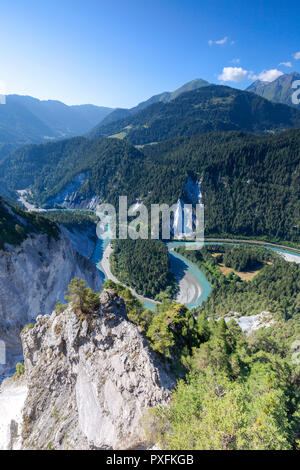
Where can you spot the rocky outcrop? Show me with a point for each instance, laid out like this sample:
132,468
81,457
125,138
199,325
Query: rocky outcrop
83,240
252,323
82,202
70,197
66,195
33,278
90,380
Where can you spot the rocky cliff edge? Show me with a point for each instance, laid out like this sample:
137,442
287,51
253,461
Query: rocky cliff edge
90,378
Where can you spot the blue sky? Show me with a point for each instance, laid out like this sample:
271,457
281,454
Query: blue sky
118,53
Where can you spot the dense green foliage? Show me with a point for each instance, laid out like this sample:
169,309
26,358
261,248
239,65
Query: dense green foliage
238,394
48,169
275,288
170,328
243,258
206,109
16,225
84,299
143,265
72,219
250,184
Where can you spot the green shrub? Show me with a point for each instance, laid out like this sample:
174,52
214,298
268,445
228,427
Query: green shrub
83,298
20,369
60,308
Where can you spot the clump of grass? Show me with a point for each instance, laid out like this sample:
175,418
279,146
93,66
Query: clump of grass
60,308
28,327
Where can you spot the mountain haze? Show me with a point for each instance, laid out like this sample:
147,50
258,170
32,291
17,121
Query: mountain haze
25,120
64,120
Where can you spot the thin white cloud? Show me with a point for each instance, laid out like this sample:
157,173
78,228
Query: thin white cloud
235,61
297,55
233,74
286,64
219,42
267,75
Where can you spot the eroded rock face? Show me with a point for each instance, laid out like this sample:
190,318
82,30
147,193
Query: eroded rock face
90,380
33,278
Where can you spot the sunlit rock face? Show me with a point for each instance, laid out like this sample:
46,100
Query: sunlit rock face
90,380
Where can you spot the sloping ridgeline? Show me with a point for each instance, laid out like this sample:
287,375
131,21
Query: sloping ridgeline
206,109
250,184
47,169
122,113
16,225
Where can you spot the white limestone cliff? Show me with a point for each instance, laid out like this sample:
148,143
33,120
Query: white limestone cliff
90,379
33,278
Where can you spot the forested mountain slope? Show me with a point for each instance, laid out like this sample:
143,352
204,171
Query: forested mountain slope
165,97
206,109
110,163
16,225
250,184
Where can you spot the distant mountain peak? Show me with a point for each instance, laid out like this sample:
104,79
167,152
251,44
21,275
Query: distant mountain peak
164,97
26,120
204,109
279,91
189,86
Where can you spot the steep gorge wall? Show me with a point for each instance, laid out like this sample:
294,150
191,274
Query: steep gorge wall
33,278
89,380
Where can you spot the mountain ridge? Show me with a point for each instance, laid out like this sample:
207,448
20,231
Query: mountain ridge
237,170
278,91
25,120
209,108
166,96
